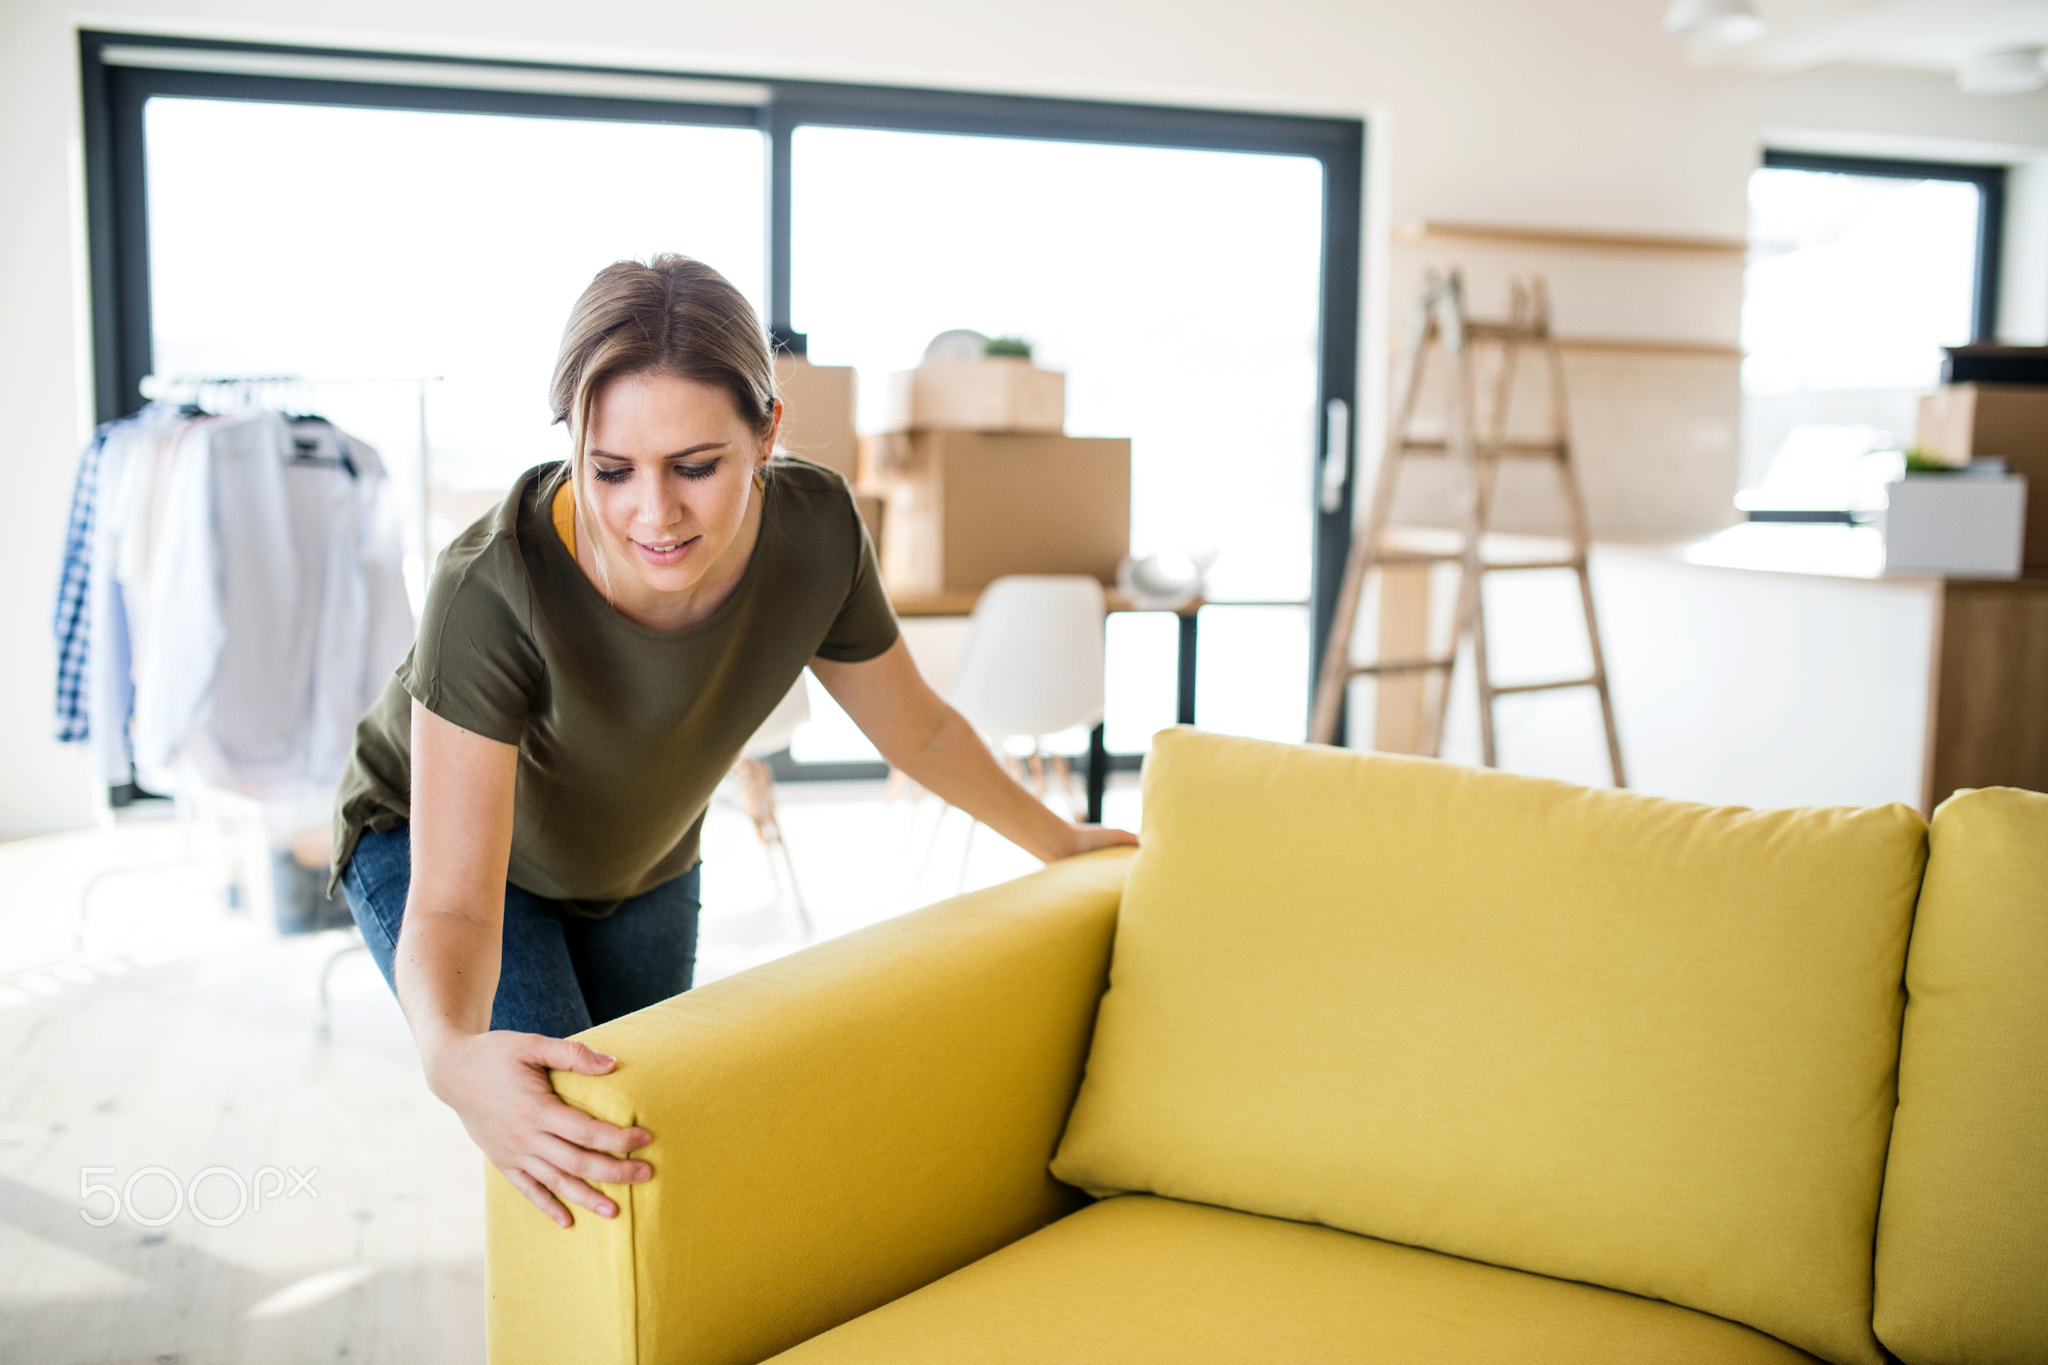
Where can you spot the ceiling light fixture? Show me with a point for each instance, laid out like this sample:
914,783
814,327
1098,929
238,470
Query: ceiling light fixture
1720,22
2012,72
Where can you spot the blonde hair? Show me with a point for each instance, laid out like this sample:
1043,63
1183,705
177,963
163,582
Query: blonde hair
668,315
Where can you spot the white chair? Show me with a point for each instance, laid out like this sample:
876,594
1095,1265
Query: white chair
1034,662
757,785
1033,666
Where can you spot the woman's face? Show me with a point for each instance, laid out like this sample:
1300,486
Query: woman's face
670,479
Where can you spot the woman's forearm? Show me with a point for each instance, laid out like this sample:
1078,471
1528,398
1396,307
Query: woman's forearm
933,744
955,765
446,973
446,964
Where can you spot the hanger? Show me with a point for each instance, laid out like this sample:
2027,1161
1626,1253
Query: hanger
305,449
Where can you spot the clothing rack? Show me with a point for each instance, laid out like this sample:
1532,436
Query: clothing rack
287,392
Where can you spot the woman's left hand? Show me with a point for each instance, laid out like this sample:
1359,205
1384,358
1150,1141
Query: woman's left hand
1088,838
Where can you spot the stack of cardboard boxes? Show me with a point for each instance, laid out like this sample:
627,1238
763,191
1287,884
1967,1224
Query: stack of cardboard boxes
1989,420
974,478
1997,420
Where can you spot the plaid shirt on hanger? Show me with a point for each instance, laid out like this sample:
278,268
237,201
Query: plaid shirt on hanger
71,620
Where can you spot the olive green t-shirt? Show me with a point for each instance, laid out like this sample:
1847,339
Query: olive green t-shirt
623,731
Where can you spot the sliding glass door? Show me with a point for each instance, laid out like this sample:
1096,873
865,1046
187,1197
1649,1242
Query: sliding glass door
1177,289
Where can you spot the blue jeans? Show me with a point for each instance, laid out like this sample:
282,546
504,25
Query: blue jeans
559,973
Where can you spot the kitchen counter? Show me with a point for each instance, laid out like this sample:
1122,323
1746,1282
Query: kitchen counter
1772,665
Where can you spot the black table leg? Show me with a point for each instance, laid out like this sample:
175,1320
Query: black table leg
1184,712
1098,774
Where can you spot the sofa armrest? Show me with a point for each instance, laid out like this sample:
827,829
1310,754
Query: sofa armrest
831,1131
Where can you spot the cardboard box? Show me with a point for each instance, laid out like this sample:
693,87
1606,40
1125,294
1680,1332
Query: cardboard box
817,412
965,508
1963,524
1962,422
999,393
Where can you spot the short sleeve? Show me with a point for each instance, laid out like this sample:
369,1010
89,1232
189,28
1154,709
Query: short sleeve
474,664
866,624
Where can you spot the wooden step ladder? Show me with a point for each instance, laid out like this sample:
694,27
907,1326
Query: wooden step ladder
1443,333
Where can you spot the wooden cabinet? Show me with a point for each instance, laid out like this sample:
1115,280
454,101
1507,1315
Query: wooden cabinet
1989,726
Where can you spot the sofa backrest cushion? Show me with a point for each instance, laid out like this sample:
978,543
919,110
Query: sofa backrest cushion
1962,1238
1585,1033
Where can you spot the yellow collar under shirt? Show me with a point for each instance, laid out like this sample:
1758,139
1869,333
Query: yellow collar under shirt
563,513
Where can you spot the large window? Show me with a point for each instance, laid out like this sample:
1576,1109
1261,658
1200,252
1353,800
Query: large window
376,223
370,251
362,242
1860,272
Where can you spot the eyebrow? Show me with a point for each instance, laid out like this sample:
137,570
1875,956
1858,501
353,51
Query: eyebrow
672,455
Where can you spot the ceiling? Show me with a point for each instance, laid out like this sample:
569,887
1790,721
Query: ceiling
1933,35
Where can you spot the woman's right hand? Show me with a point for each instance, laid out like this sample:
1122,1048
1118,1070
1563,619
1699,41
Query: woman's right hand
497,1083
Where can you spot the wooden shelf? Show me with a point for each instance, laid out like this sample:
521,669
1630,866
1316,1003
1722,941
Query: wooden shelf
1435,230
1702,348
1622,345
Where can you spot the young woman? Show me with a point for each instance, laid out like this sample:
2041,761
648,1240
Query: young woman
517,830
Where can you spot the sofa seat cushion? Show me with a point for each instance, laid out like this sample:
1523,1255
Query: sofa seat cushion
1584,1033
1139,1278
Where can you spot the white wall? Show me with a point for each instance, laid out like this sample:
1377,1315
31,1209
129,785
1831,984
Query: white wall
2023,277
1571,113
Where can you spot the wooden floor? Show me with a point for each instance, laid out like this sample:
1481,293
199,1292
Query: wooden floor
182,1037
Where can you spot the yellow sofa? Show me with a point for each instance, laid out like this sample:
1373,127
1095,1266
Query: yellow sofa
1359,1058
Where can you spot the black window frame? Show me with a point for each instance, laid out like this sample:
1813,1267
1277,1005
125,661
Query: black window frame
114,93
1990,183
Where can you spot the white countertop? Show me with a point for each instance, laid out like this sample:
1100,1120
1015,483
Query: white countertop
1822,551
1810,550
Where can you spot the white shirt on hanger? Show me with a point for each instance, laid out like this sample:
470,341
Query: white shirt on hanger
269,611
